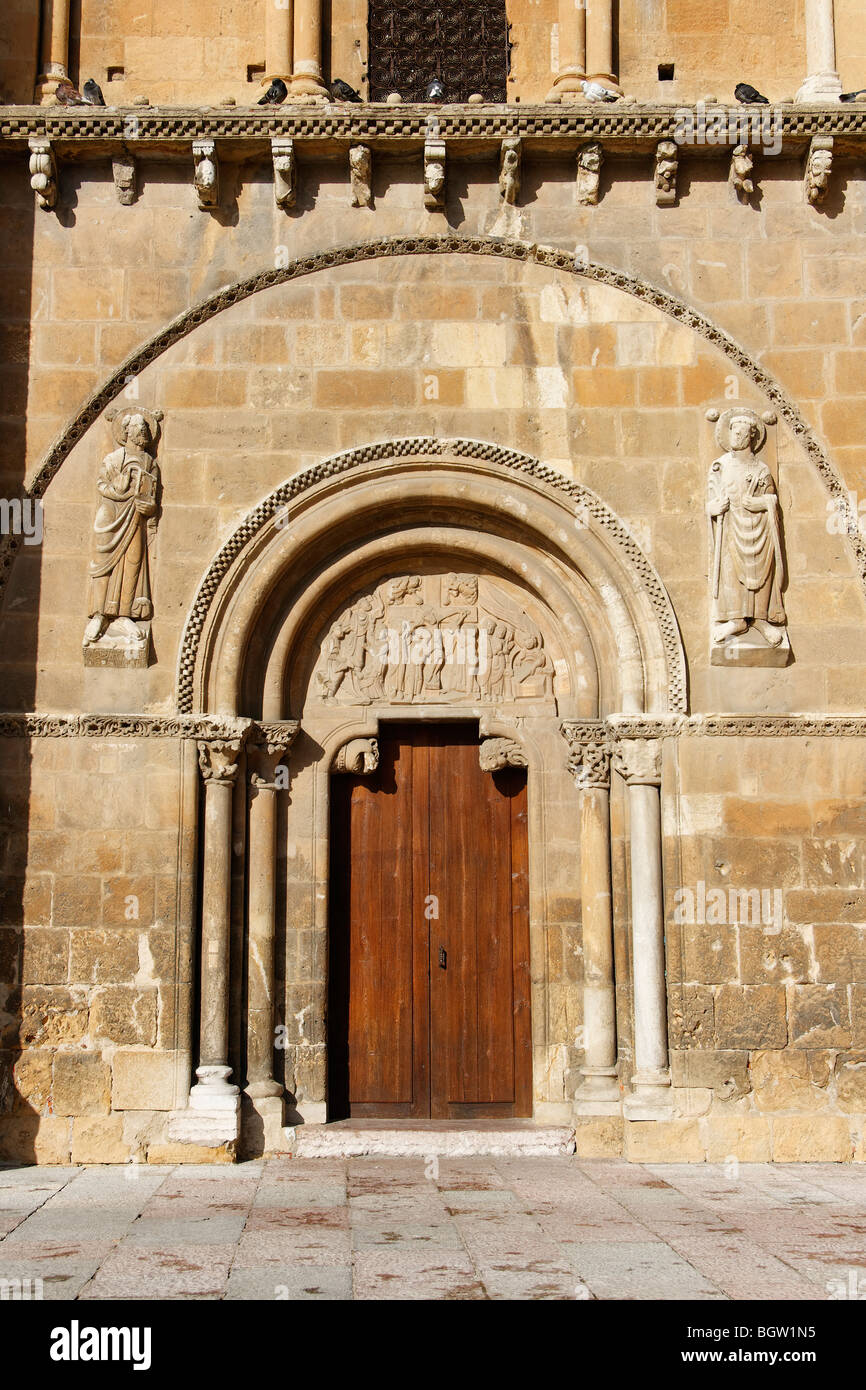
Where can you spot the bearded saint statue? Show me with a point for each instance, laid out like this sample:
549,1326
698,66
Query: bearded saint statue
748,569
128,484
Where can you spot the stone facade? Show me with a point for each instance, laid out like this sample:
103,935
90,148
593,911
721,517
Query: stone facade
476,369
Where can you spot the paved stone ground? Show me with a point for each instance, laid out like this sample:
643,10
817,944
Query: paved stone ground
475,1228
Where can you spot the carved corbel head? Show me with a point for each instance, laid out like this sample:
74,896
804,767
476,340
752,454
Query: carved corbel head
494,754
359,757
206,177
43,173
819,168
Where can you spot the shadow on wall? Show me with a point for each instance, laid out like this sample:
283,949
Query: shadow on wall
25,1079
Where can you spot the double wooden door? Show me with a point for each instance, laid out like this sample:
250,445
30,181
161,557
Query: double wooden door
429,1010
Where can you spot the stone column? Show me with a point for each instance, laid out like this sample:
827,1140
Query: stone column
218,760
279,40
267,776
54,57
572,51
822,80
639,762
307,81
599,1092
599,44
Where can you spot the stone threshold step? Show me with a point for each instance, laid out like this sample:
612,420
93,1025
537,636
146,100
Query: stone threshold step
358,1140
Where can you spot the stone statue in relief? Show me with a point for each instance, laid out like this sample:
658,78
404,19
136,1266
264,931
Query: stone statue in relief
123,531
747,565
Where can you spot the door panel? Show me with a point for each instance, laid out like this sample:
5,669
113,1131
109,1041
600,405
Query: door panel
429,996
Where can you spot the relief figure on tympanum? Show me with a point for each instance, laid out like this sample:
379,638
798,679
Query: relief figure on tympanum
434,639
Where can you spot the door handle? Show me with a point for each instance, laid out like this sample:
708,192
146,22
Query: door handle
443,958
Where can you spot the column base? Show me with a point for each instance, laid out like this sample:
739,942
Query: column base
46,87
306,87
263,1125
652,1098
567,87
606,79
821,87
598,1093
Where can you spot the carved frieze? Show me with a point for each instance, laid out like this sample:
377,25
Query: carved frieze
434,639
358,758
120,606
494,754
747,567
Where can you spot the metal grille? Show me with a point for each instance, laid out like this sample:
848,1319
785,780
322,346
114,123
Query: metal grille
462,42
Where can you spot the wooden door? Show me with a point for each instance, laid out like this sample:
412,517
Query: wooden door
429,949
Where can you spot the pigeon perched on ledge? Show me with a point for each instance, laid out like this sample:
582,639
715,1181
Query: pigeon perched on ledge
68,95
435,92
749,96
595,91
341,91
92,93
853,96
276,93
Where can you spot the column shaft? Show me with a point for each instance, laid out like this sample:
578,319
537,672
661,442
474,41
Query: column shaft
216,903
260,958
279,40
307,79
650,999
572,48
822,80
599,1092
55,38
599,43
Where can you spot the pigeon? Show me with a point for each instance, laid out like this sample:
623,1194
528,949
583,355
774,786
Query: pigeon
68,95
92,93
748,96
276,93
341,91
594,91
435,92
853,96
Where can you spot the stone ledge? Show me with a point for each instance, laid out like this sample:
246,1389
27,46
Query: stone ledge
348,1141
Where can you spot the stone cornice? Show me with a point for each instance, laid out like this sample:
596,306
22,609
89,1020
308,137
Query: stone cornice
623,128
655,726
203,727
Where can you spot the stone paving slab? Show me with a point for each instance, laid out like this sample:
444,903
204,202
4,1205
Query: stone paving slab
453,1228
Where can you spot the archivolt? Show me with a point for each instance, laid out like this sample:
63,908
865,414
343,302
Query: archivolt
550,256
580,499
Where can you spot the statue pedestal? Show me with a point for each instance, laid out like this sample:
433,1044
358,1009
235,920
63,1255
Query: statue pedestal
120,649
750,649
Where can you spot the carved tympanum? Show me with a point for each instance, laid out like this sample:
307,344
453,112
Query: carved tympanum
494,754
120,598
747,569
434,639
359,757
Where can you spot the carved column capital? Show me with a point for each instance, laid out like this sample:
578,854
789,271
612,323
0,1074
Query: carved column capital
589,765
267,748
218,760
496,753
639,761
358,758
